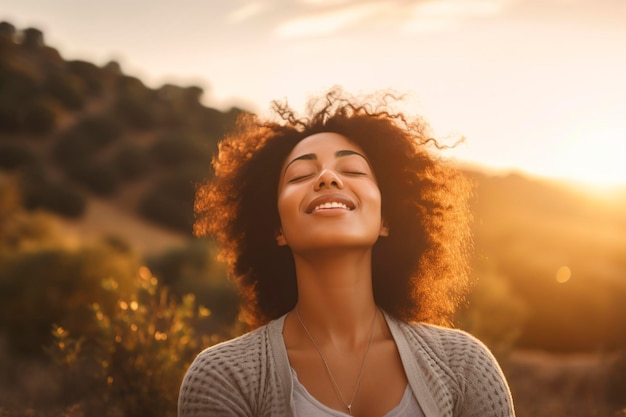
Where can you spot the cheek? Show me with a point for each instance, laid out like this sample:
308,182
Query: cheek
287,205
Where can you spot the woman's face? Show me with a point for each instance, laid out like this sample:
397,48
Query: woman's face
328,196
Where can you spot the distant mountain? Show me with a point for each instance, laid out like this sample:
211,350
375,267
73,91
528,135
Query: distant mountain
88,141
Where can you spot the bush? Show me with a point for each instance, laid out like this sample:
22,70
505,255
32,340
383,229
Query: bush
72,148
174,151
17,86
101,130
90,74
170,201
13,156
67,89
194,269
160,208
135,113
40,117
139,353
89,136
132,162
99,177
39,193
40,288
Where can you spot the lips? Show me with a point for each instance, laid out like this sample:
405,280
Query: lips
330,201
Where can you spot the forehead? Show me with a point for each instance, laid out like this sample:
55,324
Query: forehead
321,143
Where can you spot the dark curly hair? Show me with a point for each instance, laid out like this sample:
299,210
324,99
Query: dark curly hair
419,271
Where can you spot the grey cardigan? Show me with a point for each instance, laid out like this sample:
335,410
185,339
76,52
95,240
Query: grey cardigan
450,372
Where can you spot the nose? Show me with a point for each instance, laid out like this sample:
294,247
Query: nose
328,179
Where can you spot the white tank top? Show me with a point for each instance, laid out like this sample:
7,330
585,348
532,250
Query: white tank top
307,405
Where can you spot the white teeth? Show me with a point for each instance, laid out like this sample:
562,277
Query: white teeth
330,205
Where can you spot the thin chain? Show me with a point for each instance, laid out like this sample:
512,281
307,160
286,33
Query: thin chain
330,374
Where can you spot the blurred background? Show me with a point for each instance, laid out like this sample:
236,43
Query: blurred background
110,114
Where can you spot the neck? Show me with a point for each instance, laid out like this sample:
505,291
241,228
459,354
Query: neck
335,297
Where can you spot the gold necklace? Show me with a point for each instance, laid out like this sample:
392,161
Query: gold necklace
330,374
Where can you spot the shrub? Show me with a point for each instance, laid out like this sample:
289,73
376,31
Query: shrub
43,287
170,201
162,209
67,89
40,117
72,148
101,130
138,355
131,162
135,113
40,193
89,73
194,269
172,151
100,177
9,118
89,136
17,86
13,155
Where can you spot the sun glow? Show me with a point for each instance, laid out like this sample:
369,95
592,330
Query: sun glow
593,154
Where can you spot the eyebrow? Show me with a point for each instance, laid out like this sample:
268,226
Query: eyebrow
338,154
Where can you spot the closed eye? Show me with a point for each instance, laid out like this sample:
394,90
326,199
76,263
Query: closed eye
299,178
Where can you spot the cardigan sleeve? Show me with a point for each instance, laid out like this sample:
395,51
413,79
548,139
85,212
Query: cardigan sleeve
229,380
484,391
212,387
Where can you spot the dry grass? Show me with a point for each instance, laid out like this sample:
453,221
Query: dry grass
104,218
549,385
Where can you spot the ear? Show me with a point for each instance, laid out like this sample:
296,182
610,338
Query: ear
384,230
280,238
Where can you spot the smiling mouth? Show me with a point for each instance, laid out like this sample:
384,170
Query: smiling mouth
330,202
330,205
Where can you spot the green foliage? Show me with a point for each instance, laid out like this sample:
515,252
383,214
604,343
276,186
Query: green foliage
132,162
86,138
193,269
169,201
136,359
41,193
15,155
90,74
20,230
172,152
66,88
40,117
101,177
55,285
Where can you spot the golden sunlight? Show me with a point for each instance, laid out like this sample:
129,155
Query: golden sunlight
594,154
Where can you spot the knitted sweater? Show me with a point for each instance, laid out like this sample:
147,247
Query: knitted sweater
450,372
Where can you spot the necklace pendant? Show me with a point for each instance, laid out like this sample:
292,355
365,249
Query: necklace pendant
349,408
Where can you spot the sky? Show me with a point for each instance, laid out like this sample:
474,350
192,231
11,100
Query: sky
537,86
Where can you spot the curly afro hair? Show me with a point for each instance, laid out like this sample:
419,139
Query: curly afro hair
419,271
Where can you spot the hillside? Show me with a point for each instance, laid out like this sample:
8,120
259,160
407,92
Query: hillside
111,157
71,130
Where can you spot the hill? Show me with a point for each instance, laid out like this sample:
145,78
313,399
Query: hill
112,157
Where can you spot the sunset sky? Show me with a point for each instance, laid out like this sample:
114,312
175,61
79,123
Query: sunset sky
534,85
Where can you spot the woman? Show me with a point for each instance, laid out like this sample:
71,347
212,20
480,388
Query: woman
346,236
